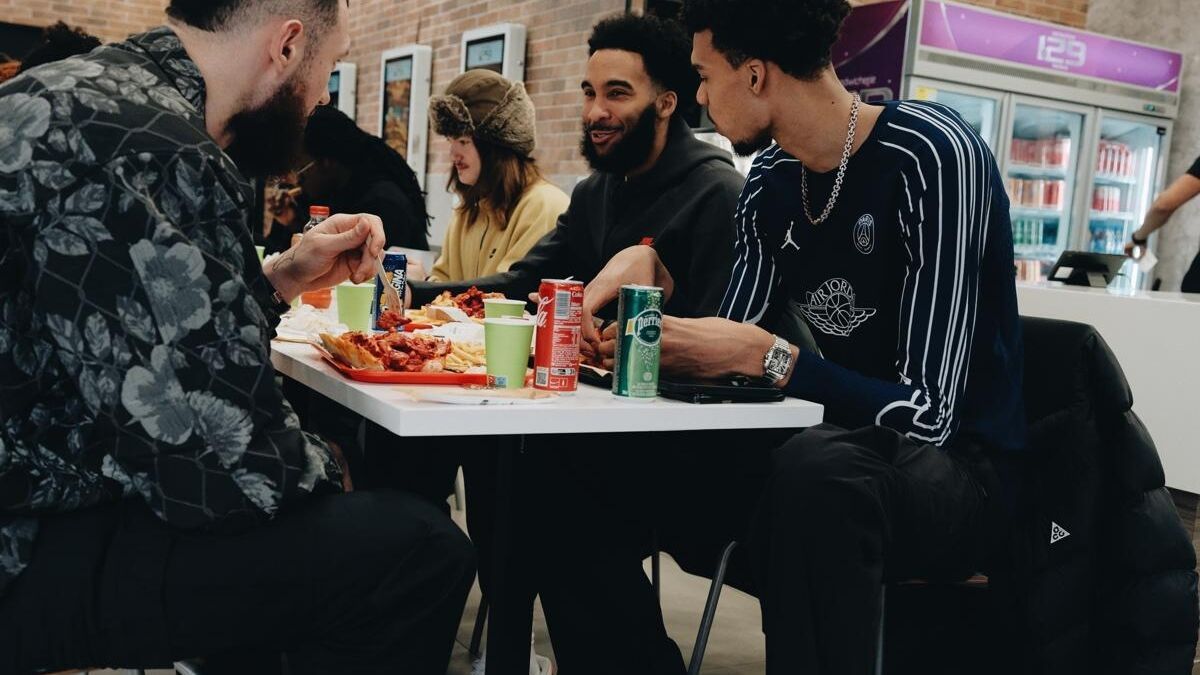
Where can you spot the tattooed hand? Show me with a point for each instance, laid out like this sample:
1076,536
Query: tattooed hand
343,247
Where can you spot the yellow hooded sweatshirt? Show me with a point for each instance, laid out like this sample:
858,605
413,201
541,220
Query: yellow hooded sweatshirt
480,248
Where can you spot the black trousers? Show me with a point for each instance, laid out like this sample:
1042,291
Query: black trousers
1191,280
368,582
825,518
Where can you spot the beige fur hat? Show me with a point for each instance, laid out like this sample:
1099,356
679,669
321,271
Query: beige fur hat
484,105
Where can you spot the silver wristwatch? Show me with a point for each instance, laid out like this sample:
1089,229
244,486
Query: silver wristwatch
778,360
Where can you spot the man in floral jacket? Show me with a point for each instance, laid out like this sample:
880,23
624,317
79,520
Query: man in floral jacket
134,372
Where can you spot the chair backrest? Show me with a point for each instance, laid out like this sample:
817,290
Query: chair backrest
1100,537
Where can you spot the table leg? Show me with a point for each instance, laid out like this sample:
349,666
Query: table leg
510,615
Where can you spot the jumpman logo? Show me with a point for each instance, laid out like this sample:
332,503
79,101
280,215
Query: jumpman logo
788,239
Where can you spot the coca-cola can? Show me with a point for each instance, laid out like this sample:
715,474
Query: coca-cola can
559,323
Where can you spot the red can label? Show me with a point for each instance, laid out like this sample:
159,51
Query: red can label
556,353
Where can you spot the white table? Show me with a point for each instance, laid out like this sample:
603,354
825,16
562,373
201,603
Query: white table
590,410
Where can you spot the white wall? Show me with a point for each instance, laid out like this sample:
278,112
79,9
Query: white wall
1174,24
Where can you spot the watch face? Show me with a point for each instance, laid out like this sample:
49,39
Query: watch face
777,361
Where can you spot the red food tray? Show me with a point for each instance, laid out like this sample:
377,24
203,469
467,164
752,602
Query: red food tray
397,377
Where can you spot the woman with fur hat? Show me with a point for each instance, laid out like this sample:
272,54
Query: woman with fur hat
506,206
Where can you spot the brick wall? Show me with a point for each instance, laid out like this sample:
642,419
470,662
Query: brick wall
555,56
110,20
1068,12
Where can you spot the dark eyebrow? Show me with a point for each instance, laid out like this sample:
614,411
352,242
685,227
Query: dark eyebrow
618,83
585,84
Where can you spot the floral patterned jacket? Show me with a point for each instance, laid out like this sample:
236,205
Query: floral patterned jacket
134,318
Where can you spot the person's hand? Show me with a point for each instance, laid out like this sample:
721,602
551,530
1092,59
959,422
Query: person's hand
713,348
416,270
634,265
1133,250
342,247
281,205
605,350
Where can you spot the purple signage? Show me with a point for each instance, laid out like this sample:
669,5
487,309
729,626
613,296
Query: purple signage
966,30
869,56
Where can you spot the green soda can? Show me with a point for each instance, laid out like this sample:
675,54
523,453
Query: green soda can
639,342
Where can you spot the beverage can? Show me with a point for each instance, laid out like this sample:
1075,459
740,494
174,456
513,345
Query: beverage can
639,342
1037,193
559,324
395,268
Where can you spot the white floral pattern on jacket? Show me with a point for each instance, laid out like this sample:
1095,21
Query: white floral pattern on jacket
134,329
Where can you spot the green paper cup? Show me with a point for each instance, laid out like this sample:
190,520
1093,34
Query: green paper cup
497,308
262,252
354,305
507,341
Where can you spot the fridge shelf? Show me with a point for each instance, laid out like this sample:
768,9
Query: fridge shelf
1113,215
1035,212
1114,179
1037,171
1039,253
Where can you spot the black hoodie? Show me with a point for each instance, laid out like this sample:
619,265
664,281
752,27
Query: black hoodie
683,205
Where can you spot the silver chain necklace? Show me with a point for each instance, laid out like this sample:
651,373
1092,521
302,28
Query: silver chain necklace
841,172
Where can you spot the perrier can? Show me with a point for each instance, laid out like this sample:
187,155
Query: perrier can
639,342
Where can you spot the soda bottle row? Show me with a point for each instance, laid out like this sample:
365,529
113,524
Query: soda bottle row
1037,193
1053,153
1028,232
1030,271
1106,199
1114,159
1108,237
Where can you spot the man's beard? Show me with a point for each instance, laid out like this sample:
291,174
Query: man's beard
626,154
267,140
757,144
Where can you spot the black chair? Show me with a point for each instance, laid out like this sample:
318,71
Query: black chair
1119,595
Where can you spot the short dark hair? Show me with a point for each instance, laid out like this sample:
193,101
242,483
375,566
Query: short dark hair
59,41
665,48
218,15
796,35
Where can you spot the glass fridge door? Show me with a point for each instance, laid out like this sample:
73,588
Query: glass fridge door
1043,159
979,107
1125,179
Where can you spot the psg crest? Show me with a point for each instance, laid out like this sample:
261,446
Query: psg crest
864,234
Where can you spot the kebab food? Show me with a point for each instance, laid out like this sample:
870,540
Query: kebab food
400,352
469,301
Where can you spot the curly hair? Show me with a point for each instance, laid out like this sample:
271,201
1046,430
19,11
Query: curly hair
666,51
796,35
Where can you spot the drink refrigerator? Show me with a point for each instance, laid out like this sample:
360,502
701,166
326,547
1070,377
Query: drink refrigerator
1082,159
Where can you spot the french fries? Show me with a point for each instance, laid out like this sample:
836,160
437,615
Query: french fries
463,357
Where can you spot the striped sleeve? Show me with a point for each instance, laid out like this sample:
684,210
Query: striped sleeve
754,276
944,218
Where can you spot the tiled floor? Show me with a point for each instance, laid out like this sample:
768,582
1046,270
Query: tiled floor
735,646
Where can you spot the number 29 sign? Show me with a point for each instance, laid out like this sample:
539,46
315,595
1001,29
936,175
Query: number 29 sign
1061,50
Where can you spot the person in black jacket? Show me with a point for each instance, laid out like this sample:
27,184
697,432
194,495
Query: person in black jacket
351,171
654,183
